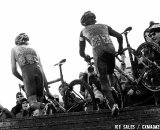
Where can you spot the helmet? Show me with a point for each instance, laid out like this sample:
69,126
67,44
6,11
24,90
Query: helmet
151,23
21,38
88,18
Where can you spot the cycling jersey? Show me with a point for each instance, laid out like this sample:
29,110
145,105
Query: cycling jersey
98,36
32,73
25,55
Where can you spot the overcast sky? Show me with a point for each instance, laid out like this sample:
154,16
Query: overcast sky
53,27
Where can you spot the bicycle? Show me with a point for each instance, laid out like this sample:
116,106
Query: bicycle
92,79
70,96
72,100
142,64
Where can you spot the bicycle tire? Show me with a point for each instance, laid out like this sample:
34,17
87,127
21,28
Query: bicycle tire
71,89
151,77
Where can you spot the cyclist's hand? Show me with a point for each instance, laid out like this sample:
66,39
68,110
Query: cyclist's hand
87,58
120,50
21,87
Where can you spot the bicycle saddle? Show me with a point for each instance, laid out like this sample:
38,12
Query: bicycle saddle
127,30
61,62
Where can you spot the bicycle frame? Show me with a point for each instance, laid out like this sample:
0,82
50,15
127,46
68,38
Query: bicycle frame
61,74
131,52
63,84
57,80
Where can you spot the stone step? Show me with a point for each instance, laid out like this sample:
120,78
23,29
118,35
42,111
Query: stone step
129,118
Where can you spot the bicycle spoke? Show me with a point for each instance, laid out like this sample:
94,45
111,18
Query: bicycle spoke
74,100
72,107
77,94
150,53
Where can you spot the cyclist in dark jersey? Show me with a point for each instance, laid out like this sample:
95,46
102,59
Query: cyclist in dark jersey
152,33
33,76
98,36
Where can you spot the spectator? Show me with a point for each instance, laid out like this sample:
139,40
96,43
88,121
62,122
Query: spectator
70,99
62,89
95,86
152,33
26,111
17,108
5,113
40,111
50,109
90,78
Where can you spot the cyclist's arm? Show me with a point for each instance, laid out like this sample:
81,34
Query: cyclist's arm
82,45
14,66
117,35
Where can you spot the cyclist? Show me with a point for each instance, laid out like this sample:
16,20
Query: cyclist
152,33
33,76
103,52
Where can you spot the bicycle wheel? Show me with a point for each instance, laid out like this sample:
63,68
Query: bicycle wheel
149,65
74,101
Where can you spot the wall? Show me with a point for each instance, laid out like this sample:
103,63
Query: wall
129,118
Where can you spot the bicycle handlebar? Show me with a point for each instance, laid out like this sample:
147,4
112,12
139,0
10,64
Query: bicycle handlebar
89,62
116,55
119,53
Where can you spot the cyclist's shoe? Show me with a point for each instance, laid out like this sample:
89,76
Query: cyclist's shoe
115,110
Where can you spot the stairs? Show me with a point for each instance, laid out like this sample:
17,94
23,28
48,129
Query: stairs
144,117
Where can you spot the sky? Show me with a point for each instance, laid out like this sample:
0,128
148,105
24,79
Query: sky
53,27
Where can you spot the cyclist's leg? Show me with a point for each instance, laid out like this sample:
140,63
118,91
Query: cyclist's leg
105,66
103,69
39,82
33,82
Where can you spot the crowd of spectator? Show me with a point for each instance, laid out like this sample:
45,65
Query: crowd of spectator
22,109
